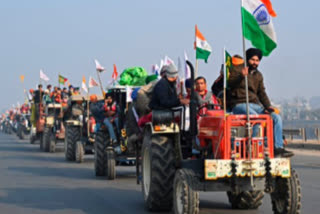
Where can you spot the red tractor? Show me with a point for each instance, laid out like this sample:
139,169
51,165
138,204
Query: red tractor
230,160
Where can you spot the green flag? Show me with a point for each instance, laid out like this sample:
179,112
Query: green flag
62,80
227,66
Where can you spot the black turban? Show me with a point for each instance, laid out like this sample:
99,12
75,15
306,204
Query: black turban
253,52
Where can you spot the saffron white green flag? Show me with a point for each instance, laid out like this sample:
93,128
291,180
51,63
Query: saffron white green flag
257,24
203,49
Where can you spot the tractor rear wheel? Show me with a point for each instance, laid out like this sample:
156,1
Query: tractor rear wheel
79,152
186,201
72,136
158,171
286,197
246,200
100,148
111,165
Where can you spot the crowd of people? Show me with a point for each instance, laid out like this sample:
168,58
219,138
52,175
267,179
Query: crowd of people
161,93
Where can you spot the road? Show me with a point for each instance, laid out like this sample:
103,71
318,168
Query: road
35,182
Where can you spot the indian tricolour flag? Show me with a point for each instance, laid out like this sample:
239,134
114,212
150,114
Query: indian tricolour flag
203,49
257,24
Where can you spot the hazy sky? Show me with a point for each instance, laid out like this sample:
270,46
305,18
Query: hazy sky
65,36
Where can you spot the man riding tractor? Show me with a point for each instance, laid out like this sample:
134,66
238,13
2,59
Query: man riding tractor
111,138
80,127
230,160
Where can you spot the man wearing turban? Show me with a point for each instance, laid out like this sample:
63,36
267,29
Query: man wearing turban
259,102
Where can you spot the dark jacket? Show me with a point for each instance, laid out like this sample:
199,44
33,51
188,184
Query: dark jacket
38,96
257,92
164,95
97,111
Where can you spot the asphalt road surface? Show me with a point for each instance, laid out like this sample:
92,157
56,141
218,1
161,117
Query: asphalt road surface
36,182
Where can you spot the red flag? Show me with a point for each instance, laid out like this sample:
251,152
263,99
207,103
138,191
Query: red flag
115,73
92,82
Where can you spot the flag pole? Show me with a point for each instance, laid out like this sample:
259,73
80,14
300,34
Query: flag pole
88,111
101,87
197,63
247,96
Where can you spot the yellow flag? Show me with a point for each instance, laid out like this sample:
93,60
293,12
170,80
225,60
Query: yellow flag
22,78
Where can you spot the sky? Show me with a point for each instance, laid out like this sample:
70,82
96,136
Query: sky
65,36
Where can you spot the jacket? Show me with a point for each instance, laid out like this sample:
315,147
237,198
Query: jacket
164,95
256,89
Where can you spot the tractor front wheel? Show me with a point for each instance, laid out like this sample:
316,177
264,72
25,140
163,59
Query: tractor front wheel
186,201
111,164
286,197
79,152
246,200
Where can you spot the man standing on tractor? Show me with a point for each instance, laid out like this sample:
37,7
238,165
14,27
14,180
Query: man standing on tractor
37,100
165,93
259,102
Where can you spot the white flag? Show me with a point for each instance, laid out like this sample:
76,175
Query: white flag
83,85
43,76
187,72
168,61
92,82
98,66
129,93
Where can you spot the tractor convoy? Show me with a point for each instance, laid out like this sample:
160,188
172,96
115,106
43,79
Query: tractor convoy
228,157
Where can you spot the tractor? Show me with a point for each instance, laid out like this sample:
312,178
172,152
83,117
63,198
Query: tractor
107,153
80,133
230,160
54,130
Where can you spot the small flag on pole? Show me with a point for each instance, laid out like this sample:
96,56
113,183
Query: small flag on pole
203,49
83,85
98,66
92,82
168,61
62,80
115,73
227,66
129,93
22,78
43,76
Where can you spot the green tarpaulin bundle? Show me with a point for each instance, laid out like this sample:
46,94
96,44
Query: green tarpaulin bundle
135,76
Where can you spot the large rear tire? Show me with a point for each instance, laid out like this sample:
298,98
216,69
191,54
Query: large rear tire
286,198
158,170
111,164
72,136
246,200
100,157
186,201
79,152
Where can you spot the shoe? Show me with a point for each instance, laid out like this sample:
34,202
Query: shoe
280,152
